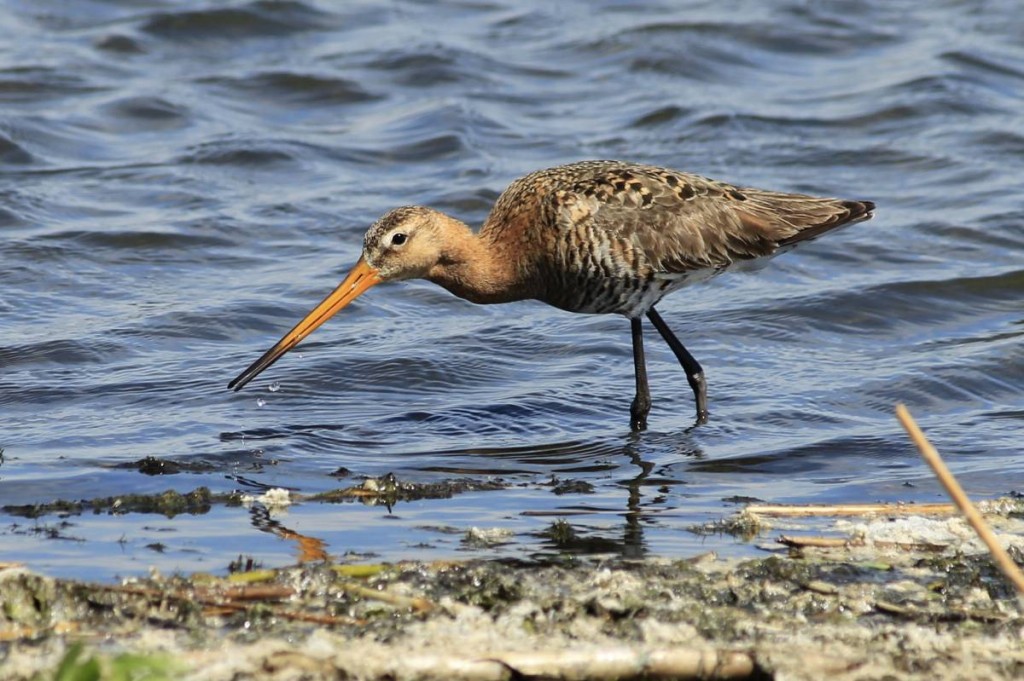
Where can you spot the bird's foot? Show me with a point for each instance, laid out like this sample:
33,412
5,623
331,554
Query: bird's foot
638,412
700,395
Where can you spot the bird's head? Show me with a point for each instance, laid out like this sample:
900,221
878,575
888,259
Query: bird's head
405,243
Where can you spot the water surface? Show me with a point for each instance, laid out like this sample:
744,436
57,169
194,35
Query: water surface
181,181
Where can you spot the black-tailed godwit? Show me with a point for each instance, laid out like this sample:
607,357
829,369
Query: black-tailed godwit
592,237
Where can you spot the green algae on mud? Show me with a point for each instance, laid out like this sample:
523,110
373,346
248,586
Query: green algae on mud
386,490
169,503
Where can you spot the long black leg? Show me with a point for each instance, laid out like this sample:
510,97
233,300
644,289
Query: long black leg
641,406
694,372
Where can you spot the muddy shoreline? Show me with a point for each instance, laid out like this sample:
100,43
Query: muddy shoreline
903,595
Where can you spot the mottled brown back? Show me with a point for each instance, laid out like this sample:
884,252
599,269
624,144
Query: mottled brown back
680,220
597,222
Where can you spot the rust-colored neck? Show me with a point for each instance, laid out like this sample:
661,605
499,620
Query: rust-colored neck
476,268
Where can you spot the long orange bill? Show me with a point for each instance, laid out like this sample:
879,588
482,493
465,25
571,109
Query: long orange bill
362,277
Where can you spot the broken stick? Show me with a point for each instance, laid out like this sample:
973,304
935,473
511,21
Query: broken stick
956,493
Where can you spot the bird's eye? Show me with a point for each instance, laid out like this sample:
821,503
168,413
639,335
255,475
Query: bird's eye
398,238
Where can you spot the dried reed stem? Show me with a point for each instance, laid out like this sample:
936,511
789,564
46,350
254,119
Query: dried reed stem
779,510
956,493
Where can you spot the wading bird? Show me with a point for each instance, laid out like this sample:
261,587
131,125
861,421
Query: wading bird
591,237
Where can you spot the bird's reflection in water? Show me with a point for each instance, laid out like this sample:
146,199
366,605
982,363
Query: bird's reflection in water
638,453
635,459
633,533
310,549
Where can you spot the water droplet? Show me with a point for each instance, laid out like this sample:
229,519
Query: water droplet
260,402
274,387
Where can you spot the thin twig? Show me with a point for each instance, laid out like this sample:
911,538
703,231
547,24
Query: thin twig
956,493
798,542
817,542
605,664
779,510
621,663
420,605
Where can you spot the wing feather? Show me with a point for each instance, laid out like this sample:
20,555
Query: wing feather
674,222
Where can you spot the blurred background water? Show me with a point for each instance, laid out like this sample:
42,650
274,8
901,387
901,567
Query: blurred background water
181,181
